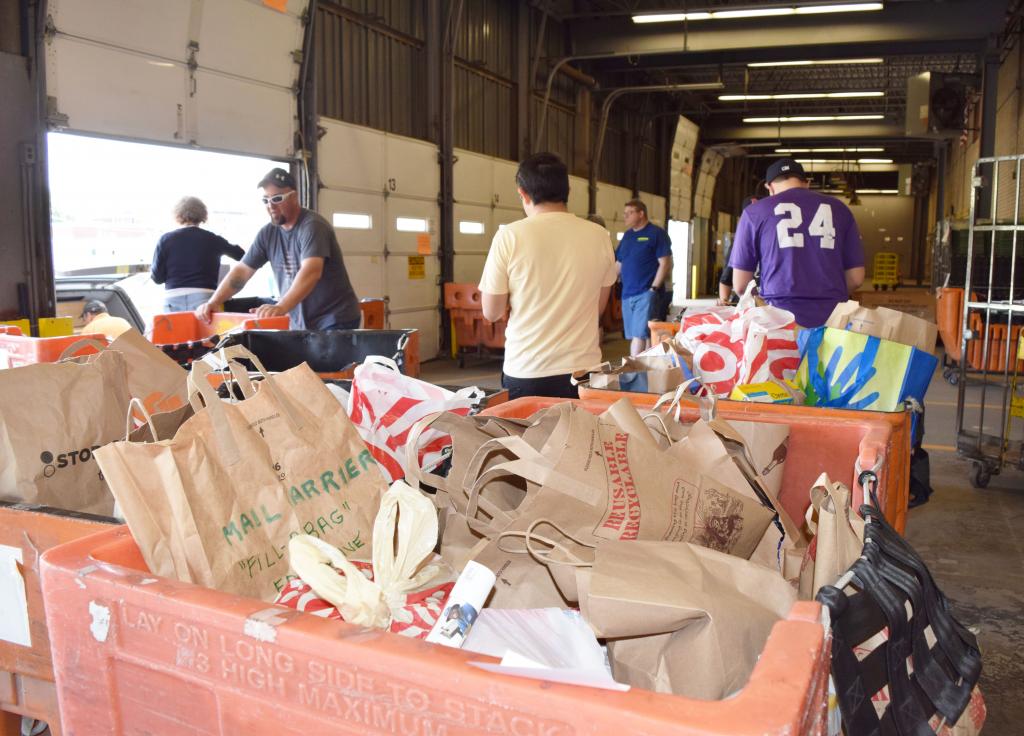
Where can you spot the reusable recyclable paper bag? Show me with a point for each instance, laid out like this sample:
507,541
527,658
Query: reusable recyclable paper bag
838,536
680,618
217,503
53,417
596,480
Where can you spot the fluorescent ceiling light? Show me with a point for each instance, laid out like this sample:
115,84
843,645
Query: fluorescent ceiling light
844,162
878,191
815,63
840,8
670,17
756,12
813,118
799,96
829,150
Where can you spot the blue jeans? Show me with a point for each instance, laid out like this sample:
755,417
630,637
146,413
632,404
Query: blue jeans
637,311
186,302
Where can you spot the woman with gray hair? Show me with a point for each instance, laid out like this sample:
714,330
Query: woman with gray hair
187,260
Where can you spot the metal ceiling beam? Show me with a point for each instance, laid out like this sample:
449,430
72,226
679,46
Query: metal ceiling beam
835,131
897,26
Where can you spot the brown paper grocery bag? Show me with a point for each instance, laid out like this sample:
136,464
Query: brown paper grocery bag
597,481
838,536
885,323
217,503
154,378
53,417
662,376
458,541
680,618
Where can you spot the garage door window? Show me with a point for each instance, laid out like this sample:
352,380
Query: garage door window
111,200
352,221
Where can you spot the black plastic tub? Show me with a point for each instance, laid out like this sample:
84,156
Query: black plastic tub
331,351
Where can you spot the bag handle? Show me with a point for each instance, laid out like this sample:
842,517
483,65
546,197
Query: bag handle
199,385
130,419
582,376
531,538
530,464
231,354
228,357
382,360
824,491
672,401
86,342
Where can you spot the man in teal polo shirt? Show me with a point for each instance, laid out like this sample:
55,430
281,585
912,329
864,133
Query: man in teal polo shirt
644,259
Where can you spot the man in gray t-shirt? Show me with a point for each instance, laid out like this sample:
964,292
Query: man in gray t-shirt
301,247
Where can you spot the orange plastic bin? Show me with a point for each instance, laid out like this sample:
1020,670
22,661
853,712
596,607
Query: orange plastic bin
662,331
26,671
178,327
174,658
874,438
373,313
17,349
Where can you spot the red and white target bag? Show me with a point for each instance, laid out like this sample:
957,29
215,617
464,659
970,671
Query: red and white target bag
739,345
384,405
403,590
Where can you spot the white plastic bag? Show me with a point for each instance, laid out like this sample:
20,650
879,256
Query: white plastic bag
741,345
384,405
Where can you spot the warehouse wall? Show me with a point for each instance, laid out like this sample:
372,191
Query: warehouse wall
886,223
371,62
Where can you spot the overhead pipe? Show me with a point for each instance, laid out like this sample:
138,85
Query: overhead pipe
613,95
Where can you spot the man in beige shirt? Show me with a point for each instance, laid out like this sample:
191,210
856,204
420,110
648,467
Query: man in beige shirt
555,271
98,321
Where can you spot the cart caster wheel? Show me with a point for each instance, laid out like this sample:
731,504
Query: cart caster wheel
980,475
461,363
953,378
875,286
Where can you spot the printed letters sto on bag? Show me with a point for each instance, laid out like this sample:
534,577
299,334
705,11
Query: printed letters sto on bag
51,463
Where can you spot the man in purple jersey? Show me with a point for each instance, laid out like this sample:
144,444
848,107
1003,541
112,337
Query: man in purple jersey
805,243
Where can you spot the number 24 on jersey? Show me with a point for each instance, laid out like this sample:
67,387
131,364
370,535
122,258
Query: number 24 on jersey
792,218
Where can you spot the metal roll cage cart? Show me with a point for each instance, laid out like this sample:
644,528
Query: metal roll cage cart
993,447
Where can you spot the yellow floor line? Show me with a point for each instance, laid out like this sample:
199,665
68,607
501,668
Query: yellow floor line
940,448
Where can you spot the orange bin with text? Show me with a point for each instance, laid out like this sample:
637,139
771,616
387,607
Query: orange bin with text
26,667
17,349
175,658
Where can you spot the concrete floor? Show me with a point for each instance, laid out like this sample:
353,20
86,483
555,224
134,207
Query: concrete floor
972,539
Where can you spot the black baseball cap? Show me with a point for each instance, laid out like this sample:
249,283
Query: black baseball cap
784,167
277,178
94,306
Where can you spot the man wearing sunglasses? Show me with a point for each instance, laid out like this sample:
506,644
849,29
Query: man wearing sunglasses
303,250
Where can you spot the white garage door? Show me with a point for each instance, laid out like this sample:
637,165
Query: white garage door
218,75
380,191
485,199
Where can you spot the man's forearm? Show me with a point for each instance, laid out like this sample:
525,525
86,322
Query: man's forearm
302,286
231,285
663,268
740,279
